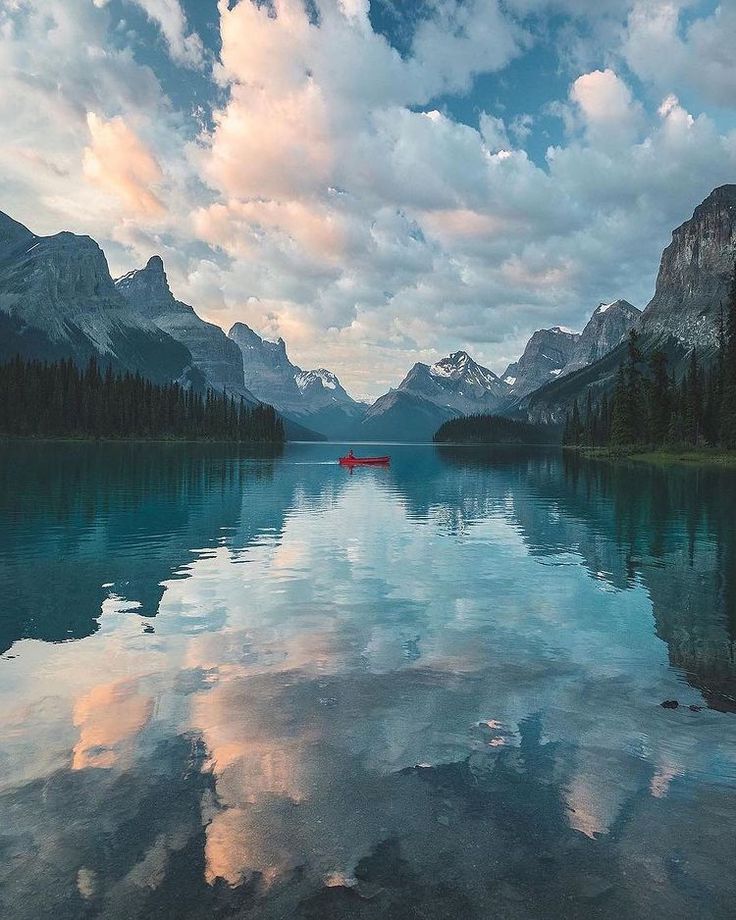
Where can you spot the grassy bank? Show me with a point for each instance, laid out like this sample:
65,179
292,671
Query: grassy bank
690,456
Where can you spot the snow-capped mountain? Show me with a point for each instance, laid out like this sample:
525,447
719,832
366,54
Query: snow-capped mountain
314,398
431,394
217,357
456,382
609,325
57,299
321,388
546,354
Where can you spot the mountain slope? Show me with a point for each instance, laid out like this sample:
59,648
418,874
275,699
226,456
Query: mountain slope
57,299
217,357
400,415
609,325
546,353
314,398
682,315
457,382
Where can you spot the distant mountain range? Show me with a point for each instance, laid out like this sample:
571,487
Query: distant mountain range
57,299
314,398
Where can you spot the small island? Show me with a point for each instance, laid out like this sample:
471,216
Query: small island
494,429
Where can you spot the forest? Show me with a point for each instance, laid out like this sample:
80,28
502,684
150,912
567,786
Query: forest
494,429
60,400
650,407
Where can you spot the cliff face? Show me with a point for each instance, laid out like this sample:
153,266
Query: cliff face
693,280
607,327
57,299
269,374
214,354
546,353
694,274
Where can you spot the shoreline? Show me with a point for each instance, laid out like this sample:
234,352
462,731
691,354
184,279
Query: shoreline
65,439
704,456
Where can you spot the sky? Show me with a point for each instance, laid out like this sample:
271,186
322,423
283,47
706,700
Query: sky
379,183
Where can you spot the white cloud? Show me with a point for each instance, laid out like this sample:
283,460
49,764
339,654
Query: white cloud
664,52
608,110
185,47
324,204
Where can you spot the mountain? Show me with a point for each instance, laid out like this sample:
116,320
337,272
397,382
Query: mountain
57,300
457,382
314,398
609,325
694,275
320,388
214,354
430,395
692,282
544,357
400,415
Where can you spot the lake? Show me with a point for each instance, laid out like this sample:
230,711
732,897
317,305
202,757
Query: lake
265,687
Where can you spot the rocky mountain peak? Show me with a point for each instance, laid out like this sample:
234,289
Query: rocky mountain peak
694,273
12,233
155,265
545,355
457,382
608,326
147,287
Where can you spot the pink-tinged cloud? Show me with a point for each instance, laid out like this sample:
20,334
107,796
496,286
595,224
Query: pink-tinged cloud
120,164
107,717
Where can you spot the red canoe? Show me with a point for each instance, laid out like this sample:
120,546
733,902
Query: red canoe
364,461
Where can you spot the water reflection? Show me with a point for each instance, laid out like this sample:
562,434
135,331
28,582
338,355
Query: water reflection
430,691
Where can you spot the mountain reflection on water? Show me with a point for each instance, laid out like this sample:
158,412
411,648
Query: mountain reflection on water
260,687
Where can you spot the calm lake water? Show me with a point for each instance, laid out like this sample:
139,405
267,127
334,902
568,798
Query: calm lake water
265,688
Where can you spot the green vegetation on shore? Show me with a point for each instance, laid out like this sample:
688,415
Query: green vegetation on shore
654,409
58,400
701,456
494,429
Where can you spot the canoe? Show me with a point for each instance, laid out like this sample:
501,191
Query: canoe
364,461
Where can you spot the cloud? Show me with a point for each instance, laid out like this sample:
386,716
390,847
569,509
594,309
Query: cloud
672,55
608,110
184,47
326,194
121,165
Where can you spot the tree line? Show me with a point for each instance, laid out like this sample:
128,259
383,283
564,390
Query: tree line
493,429
59,399
650,407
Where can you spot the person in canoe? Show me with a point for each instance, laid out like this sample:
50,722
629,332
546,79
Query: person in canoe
351,455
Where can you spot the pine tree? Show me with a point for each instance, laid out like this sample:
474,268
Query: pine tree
728,399
692,401
659,400
38,399
621,427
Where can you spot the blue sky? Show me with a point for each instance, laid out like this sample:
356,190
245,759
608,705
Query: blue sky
382,182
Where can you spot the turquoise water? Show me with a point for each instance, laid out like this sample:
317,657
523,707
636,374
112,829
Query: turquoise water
262,687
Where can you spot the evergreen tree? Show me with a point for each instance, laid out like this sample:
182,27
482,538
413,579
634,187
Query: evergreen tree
659,403
621,419
692,402
728,399
39,399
